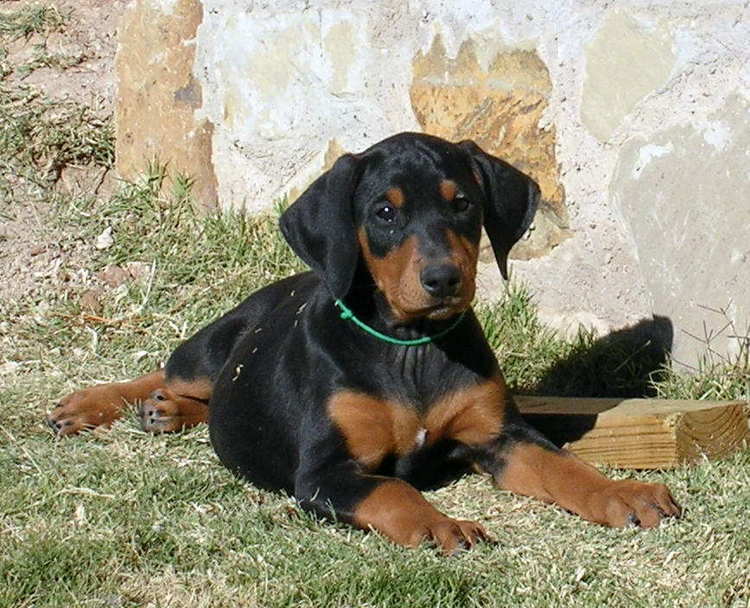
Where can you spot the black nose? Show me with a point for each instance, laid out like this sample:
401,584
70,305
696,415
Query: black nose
441,280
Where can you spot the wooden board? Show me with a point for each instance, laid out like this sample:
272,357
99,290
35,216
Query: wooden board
640,433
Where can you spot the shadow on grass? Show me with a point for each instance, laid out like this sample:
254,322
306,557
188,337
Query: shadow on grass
623,364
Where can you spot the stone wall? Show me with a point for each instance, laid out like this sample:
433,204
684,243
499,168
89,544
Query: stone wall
632,116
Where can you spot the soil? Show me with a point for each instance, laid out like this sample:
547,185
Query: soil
88,39
32,253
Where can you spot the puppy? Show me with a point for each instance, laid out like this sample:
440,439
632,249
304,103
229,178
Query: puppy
355,385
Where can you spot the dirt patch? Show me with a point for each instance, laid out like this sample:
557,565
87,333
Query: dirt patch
77,58
59,54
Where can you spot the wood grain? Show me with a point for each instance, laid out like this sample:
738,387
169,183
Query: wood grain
640,433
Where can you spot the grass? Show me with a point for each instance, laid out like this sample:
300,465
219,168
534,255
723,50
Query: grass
39,137
29,20
122,518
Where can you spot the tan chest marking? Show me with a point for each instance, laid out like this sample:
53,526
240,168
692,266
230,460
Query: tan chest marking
374,428
473,415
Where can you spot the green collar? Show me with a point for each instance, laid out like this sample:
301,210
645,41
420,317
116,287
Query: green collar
347,314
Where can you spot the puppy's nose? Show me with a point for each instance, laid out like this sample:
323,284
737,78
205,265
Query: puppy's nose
441,280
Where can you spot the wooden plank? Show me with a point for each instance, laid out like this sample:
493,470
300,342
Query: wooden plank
640,433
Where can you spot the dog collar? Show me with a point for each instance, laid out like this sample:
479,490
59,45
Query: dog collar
348,315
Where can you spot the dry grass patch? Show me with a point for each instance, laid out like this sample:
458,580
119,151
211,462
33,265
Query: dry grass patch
118,517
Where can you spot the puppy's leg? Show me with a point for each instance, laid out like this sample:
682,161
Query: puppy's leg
532,466
165,404
100,405
401,513
391,506
181,404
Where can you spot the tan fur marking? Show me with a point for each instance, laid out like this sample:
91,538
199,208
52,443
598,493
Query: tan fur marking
576,486
473,415
399,511
101,405
464,254
397,276
372,427
140,388
395,196
171,411
448,189
528,465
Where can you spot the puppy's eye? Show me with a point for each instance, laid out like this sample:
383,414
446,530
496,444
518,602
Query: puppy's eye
461,203
386,213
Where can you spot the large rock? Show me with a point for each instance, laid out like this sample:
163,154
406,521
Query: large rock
691,226
158,95
630,115
500,107
625,62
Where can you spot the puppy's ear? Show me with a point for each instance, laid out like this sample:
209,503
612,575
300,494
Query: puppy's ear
319,226
511,201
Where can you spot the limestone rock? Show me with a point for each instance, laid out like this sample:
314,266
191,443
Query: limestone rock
624,63
158,96
501,109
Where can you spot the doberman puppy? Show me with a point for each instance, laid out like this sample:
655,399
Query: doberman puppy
352,386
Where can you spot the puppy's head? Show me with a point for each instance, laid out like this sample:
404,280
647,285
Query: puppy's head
412,207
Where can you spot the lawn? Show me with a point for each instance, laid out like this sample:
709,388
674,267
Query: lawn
122,518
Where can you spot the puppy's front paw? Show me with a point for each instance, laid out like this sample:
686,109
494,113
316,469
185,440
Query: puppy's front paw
626,503
451,535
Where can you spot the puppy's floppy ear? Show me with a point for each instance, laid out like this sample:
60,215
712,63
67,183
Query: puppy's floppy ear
319,226
511,196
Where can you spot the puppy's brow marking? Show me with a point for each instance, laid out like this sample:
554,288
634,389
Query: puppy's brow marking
395,196
448,189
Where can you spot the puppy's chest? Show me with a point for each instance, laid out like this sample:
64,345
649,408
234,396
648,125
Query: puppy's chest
376,429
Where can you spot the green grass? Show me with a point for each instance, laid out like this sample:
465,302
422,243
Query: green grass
122,518
39,137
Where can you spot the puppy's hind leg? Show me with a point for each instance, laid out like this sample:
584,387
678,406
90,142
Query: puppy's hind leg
100,405
180,405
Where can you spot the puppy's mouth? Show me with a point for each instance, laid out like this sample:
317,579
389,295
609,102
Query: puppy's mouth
439,311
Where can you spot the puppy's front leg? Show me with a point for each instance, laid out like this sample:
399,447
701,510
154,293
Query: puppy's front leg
528,464
391,506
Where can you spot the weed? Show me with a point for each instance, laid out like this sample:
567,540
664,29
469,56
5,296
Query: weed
40,137
29,20
718,374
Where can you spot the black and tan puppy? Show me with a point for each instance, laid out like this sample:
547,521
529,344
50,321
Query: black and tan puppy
354,385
